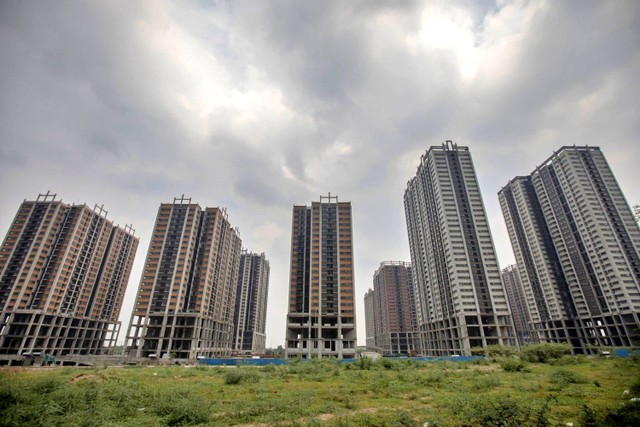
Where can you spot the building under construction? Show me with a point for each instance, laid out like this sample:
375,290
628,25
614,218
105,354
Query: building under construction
577,248
321,318
250,314
391,317
185,301
63,274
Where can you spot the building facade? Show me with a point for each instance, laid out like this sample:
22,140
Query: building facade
394,309
577,248
546,289
250,314
369,320
459,294
518,303
321,321
186,297
63,274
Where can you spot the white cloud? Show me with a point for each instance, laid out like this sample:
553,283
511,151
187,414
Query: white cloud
265,236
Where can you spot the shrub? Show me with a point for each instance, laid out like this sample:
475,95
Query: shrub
478,351
589,417
363,363
313,367
182,408
500,411
386,363
501,350
542,415
403,419
269,368
480,362
625,415
562,377
543,353
513,365
238,375
635,387
433,376
567,360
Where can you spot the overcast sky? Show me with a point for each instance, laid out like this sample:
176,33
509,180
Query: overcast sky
256,106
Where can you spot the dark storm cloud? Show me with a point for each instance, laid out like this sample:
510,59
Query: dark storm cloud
260,106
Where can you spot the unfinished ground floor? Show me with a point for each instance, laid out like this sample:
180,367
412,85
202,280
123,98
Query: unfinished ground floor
36,332
320,336
458,335
178,335
586,335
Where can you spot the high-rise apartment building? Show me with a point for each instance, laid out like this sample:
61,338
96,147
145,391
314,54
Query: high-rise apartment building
393,320
460,298
63,274
250,314
577,248
369,319
518,303
321,320
186,298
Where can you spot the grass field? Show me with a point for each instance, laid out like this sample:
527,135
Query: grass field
588,392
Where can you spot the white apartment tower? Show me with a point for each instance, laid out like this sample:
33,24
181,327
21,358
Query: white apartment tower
461,302
577,248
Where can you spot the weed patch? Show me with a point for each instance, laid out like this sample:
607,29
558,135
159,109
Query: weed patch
240,375
544,353
513,365
323,392
486,381
181,408
562,377
500,411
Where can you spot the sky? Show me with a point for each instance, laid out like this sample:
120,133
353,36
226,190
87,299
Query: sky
257,106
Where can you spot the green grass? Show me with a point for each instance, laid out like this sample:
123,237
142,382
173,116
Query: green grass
324,393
